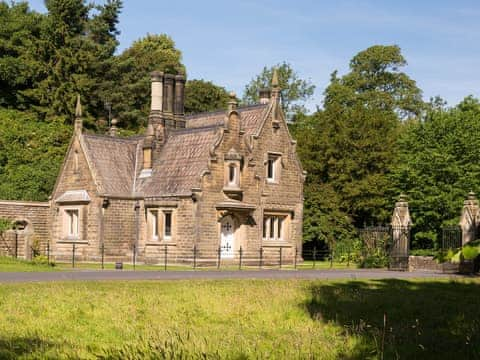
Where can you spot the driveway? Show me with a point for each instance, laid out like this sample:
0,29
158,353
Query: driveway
88,275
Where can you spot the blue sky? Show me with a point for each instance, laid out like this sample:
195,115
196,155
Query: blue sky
229,42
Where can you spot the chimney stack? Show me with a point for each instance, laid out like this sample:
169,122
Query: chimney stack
264,95
167,103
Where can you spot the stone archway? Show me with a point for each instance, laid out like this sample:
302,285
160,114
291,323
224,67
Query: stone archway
24,235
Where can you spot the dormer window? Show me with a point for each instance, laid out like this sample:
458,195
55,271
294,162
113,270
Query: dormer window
273,168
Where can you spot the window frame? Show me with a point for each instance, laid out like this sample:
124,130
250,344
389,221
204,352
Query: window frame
72,218
275,226
273,166
170,215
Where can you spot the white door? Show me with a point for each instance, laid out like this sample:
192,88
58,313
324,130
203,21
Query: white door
227,238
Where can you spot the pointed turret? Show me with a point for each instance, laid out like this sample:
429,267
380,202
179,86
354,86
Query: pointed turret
78,117
275,96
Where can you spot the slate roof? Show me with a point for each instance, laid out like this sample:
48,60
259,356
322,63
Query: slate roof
113,162
177,165
251,116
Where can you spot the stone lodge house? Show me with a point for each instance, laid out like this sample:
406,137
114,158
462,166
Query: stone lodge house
217,180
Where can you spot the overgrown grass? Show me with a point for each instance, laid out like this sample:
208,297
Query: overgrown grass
240,319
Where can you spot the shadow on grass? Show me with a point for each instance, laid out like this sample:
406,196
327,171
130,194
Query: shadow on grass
393,319
16,347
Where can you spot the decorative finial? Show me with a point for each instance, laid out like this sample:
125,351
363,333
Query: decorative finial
232,104
113,128
471,195
275,83
402,197
78,108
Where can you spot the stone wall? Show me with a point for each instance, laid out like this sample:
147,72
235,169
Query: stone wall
34,215
284,197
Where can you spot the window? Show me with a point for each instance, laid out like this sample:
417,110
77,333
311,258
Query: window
273,168
273,227
167,224
154,223
72,222
231,175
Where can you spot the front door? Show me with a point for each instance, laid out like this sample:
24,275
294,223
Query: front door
227,238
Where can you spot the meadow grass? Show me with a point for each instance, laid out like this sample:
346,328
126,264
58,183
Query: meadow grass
241,319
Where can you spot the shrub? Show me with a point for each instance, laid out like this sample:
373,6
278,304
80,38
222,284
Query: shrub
41,260
469,252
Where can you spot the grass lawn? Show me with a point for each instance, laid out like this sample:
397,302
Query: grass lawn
241,319
11,264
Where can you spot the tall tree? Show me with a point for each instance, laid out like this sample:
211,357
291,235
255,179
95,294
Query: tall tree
128,85
20,66
294,90
201,95
76,46
349,147
31,152
438,165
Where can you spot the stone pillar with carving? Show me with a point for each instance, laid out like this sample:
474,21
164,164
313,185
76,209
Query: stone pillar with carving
401,223
468,221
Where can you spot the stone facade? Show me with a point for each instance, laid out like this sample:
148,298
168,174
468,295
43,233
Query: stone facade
32,224
222,183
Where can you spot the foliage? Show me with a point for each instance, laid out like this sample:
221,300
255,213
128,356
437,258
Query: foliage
470,252
128,81
202,96
5,224
349,148
31,153
437,166
294,90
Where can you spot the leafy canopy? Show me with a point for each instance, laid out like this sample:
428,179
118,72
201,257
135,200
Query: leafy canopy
294,90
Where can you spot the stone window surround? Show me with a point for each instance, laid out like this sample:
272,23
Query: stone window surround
236,183
285,217
66,219
276,157
161,238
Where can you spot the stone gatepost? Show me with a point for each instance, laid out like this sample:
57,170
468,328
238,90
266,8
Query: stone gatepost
401,223
469,219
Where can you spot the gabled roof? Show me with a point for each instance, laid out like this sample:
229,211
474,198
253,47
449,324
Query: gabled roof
113,162
179,166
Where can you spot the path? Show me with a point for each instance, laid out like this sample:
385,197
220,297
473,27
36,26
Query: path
12,277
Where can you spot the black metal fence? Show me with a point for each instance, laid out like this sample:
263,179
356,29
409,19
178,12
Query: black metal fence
451,237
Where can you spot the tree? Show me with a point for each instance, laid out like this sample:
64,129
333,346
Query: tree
20,66
294,90
31,152
438,165
201,96
128,83
362,113
75,47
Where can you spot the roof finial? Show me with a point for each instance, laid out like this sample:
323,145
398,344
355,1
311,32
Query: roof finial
275,84
78,117
78,108
232,104
113,128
